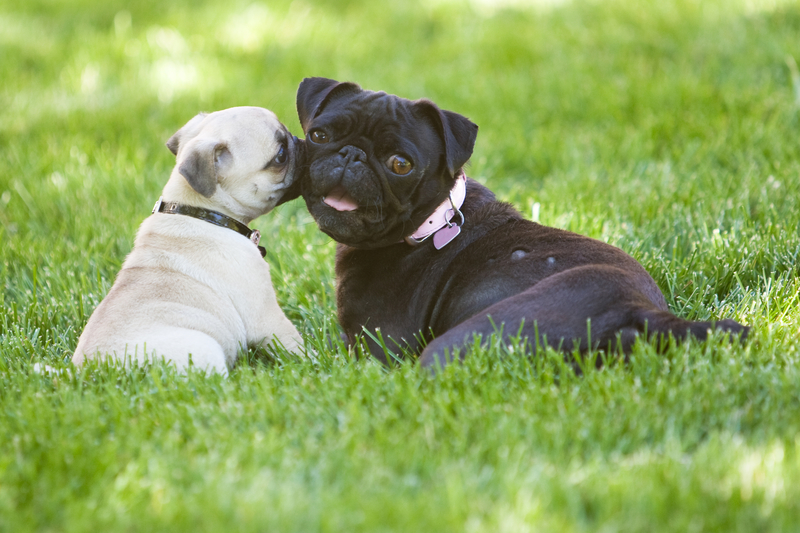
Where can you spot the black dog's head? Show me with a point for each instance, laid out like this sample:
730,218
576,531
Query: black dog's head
377,165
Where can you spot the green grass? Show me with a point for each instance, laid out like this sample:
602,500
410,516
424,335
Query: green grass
668,128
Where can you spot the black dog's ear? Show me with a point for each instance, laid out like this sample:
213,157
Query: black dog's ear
458,132
313,93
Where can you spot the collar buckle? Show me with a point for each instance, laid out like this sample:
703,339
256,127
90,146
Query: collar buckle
440,224
212,217
456,211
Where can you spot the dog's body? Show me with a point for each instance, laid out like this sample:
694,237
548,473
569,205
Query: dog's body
501,271
190,289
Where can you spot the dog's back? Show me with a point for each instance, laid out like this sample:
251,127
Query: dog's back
195,286
175,297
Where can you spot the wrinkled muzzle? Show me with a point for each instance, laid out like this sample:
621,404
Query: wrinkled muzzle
345,182
350,201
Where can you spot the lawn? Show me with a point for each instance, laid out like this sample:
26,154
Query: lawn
668,128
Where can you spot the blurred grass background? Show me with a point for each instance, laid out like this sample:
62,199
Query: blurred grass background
668,128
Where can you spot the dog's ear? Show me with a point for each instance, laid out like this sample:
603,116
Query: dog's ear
457,131
188,131
312,95
200,162
174,142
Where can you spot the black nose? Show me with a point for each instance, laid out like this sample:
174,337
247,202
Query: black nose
352,153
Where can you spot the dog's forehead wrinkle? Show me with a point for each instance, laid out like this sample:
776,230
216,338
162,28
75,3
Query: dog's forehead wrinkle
389,136
372,96
375,106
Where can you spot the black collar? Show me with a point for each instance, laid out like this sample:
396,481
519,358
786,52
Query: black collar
218,219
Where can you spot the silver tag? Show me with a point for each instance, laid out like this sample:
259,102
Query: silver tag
158,205
255,237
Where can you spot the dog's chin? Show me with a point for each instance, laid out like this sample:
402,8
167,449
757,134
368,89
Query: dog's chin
288,193
360,228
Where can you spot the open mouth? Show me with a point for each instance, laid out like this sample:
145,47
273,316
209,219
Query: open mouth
339,199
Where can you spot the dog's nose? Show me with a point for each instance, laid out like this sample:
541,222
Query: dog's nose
352,153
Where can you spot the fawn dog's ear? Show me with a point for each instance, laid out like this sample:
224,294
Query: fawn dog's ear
189,130
200,163
198,157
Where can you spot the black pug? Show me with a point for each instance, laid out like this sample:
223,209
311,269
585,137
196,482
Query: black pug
430,258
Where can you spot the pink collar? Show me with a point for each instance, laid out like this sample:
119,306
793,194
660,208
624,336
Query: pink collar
438,224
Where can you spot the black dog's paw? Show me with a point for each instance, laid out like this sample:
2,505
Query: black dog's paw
734,329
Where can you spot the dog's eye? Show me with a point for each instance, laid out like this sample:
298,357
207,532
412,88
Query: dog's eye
318,137
281,157
399,165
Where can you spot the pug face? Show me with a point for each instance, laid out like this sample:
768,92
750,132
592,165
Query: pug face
377,164
240,158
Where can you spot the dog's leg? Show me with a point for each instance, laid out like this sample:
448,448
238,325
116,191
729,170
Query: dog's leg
661,324
281,331
580,305
183,347
209,358
598,307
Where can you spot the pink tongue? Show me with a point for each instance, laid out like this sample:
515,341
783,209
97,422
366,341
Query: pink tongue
340,200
